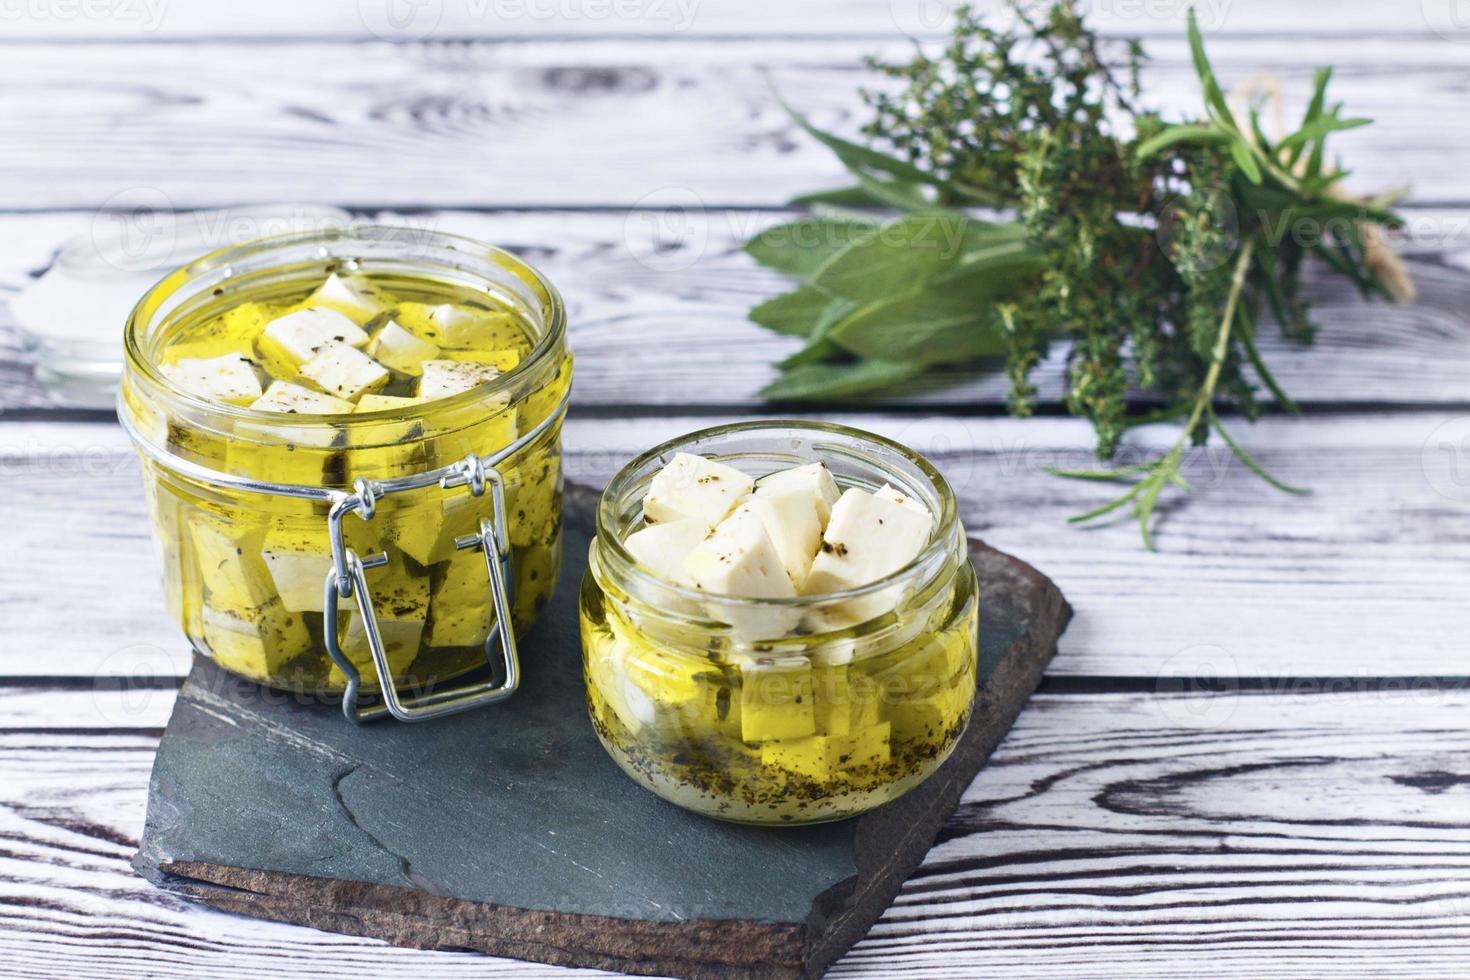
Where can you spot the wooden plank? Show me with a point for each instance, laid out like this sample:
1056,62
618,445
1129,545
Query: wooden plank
660,327
487,124
1366,577
672,19
1117,835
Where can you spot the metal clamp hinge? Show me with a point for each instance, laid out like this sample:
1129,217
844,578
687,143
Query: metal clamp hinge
347,579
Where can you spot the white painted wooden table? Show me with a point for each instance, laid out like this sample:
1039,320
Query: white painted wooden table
1250,756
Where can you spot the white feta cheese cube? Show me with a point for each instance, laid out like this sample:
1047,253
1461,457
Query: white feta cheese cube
294,339
283,396
738,559
693,487
400,350
813,478
790,519
466,329
866,539
352,300
344,371
888,492
229,378
663,547
298,563
383,403
442,378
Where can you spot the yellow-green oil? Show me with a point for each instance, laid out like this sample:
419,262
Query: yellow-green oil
791,736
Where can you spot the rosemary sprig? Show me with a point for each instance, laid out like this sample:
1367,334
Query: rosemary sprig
1149,248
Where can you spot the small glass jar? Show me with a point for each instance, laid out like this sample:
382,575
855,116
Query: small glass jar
758,710
244,568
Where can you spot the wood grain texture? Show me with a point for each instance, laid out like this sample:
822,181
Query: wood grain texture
1110,835
659,322
1365,577
673,19
566,123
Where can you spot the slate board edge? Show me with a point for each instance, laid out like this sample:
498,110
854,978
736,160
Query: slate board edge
725,948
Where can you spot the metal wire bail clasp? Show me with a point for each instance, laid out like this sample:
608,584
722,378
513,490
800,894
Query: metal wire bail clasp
347,580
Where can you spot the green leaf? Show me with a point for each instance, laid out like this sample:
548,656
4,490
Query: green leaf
819,346
798,248
1314,109
811,382
1214,97
906,195
933,326
853,197
1192,133
1251,464
1240,152
1005,267
794,313
1319,128
1119,475
894,258
862,161
1106,508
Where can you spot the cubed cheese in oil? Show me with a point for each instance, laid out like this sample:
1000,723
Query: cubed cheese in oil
663,547
401,640
397,348
355,300
343,371
866,539
776,699
291,340
692,486
293,399
813,479
466,329
229,378
441,378
888,492
791,522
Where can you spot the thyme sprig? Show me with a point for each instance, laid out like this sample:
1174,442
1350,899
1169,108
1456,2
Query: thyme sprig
1150,248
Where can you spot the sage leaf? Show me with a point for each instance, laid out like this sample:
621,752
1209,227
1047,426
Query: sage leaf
794,313
798,248
895,257
819,346
935,326
811,382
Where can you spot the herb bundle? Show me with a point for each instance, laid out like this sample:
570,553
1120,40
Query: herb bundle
1151,249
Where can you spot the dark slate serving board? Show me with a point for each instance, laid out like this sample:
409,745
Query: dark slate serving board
509,830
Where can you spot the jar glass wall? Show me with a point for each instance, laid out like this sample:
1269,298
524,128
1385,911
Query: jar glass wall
244,571
756,710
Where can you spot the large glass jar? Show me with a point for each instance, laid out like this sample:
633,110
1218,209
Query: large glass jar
750,710
244,568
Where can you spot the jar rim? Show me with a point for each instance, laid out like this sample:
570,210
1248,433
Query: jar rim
547,345
939,544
